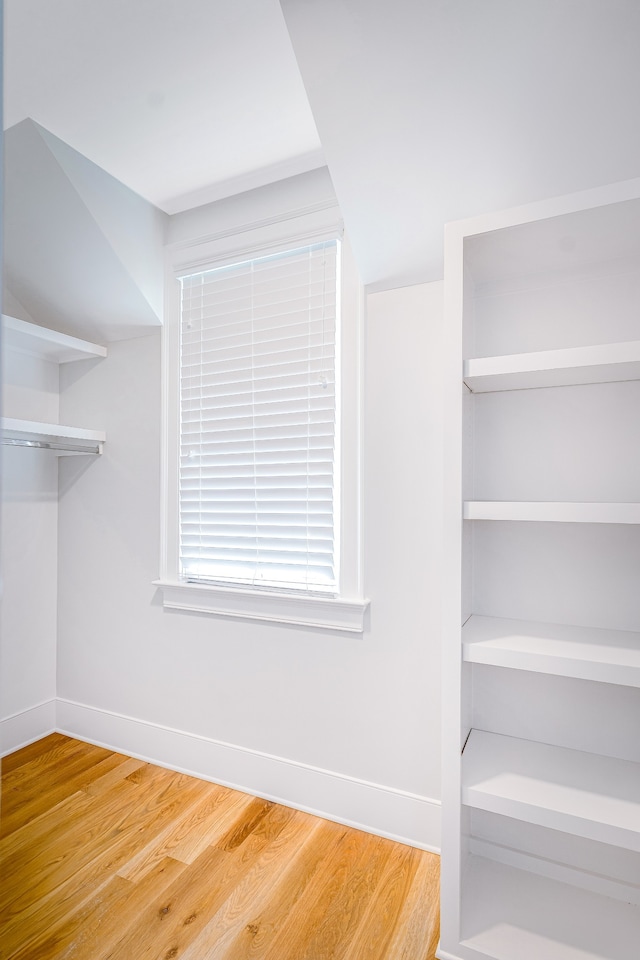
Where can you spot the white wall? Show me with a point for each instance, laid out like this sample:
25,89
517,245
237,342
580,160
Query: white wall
28,557
429,112
345,725
95,271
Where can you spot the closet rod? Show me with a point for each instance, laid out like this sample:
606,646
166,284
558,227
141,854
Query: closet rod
52,445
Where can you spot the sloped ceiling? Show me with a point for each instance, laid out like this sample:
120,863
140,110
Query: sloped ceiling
184,101
83,253
427,111
433,110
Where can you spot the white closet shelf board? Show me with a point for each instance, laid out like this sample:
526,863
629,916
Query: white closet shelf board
586,653
532,241
554,787
63,440
550,511
511,914
47,344
603,363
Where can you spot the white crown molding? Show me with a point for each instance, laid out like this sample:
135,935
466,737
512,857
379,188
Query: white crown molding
240,230
253,180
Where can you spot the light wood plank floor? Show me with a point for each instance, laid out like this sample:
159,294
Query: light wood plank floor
103,857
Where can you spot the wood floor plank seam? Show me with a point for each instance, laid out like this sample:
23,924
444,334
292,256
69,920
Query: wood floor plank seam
265,918
179,920
104,857
253,890
100,860
163,844
106,823
35,750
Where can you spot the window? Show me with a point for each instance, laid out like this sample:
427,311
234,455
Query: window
258,422
262,434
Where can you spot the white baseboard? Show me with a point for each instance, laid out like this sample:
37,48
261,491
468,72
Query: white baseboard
28,725
385,811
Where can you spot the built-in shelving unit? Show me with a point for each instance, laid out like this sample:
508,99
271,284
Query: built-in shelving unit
585,653
25,337
541,662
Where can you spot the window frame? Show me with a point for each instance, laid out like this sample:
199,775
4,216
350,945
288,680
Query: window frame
346,610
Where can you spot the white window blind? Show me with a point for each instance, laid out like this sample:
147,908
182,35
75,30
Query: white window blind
258,422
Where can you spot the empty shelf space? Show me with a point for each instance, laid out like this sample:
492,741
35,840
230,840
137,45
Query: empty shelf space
603,363
509,913
582,793
62,439
47,344
551,511
586,653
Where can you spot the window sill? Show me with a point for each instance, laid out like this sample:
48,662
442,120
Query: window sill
327,613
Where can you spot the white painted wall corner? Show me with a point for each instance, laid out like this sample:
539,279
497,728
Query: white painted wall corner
26,726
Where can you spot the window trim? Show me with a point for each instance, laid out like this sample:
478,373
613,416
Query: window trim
334,613
345,611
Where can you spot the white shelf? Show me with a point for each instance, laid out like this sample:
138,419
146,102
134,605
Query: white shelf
586,653
581,793
550,511
603,363
63,440
511,914
45,343
518,284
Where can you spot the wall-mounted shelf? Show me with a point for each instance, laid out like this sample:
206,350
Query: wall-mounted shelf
552,512
56,347
62,440
603,363
45,343
554,787
511,913
586,653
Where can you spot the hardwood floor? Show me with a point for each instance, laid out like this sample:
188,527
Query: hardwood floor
103,857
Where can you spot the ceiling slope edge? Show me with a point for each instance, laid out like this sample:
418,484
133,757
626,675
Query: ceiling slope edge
83,253
12,307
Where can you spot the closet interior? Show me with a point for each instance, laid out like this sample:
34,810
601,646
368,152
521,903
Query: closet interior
32,441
